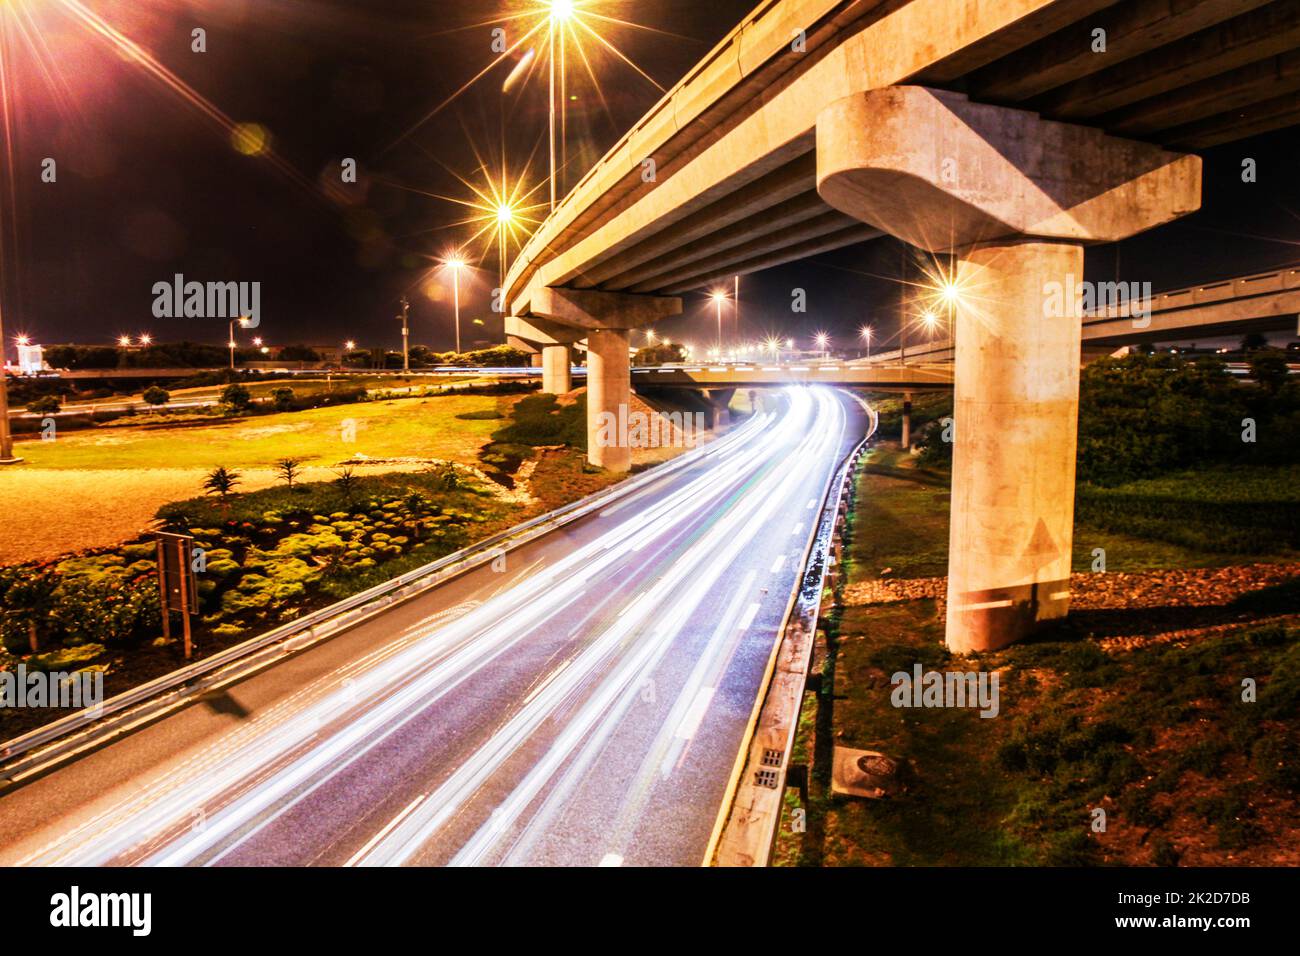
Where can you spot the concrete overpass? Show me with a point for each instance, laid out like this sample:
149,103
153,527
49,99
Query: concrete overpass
998,131
1261,302
879,378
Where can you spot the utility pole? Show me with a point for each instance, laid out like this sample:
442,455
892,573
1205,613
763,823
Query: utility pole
6,440
406,333
736,317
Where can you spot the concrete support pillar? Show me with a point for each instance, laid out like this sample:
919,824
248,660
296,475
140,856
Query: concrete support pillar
557,370
907,421
609,392
719,400
1015,197
1015,417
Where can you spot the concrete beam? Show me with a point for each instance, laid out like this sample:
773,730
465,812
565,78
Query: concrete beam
535,334
1228,127
766,238
800,209
1268,31
591,311
941,172
1132,29
789,182
1227,92
787,253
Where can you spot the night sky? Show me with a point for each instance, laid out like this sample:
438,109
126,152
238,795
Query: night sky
148,186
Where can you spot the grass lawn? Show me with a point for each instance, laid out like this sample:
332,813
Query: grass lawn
906,508
101,486
419,428
302,386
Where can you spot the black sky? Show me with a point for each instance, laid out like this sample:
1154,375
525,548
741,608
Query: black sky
147,187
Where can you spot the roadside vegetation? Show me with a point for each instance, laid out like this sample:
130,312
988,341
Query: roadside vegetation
1133,706
475,464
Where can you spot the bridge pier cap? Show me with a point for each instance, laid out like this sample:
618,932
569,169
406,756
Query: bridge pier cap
557,317
1014,197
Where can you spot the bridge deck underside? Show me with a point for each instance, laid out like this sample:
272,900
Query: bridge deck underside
1185,75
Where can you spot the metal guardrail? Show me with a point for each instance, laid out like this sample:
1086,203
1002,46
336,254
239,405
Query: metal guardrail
745,830
89,727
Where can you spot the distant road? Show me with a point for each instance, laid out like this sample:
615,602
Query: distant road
583,705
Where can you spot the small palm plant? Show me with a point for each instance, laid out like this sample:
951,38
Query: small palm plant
289,470
220,481
347,483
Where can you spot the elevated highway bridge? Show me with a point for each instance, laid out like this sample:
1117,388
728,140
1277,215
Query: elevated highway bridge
1008,134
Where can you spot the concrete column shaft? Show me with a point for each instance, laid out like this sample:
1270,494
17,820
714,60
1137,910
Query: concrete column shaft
1016,432
557,370
609,393
907,421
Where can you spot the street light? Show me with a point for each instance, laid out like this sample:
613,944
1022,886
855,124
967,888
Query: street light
146,338
823,342
931,322
866,334
243,324
124,341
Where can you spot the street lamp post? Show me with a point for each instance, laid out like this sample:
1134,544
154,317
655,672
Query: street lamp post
243,324
866,337
404,318
717,300
455,265
561,11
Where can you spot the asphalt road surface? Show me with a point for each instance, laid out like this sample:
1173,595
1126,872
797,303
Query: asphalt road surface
582,705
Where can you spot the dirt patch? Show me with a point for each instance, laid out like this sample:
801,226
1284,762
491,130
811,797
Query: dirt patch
54,512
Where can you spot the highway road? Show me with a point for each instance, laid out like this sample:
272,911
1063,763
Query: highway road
583,705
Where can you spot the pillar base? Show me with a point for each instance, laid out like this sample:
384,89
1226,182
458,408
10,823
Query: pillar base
11,461
1016,411
609,394
557,370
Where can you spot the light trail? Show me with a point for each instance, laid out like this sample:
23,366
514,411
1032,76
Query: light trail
545,738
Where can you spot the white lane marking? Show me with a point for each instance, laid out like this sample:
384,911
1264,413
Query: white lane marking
797,528
691,722
812,503
610,859
750,613
386,830
778,564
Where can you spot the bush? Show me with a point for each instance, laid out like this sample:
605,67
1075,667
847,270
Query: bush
236,396
541,420
283,398
45,405
157,396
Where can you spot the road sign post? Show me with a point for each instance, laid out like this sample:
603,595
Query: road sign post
177,587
